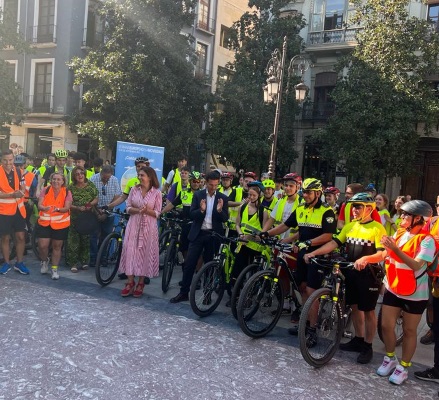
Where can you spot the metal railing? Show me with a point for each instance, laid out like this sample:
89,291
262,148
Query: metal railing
334,36
92,38
41,34
39,103
206,24
317,111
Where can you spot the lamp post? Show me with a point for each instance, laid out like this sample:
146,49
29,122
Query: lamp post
273,91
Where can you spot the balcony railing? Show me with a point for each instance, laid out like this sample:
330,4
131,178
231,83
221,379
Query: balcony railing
39,103
335,36
92,38
41,34
206,24
317,111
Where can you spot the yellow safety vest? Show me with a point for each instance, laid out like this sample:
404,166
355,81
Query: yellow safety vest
233,211
311,217
251,226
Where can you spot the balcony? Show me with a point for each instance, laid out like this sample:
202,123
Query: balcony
317,111
39,103
338,38
41,34
206,25
203,74
92,38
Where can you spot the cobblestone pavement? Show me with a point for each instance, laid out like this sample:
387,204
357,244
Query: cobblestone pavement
72,339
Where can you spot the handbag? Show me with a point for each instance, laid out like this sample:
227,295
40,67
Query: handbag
86,223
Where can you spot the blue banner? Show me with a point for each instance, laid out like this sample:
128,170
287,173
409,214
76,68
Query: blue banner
126,154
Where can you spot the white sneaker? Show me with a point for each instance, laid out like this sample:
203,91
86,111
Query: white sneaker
44,266
55,274
387,367
399,376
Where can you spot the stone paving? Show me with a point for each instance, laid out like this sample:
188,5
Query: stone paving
72,339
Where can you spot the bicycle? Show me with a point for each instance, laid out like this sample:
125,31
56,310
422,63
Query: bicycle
261,300
172,249
110,251
333,314
209,284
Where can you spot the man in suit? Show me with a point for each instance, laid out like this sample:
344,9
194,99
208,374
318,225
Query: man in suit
209,211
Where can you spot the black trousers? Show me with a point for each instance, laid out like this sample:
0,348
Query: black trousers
204,244
436,331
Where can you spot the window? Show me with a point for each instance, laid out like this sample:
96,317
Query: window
223,76
93,32
10,12
331,14
433,16
43,88
46,21
11,67
203,14
225,37
201,65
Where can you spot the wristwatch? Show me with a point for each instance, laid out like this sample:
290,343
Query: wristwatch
56,209
308,243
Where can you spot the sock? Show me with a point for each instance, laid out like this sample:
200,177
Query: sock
405,364
391,355
367,344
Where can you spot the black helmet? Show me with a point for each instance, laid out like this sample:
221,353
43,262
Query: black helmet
418,207
142,160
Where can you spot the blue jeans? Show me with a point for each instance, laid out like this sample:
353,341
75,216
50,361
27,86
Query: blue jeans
106,227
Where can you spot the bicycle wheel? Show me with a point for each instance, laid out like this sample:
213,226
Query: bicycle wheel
398,327
164,239
260,304
171,260
242,279
329,328
108,258
210,280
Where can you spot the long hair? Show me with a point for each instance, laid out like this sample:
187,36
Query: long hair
73,174
151,175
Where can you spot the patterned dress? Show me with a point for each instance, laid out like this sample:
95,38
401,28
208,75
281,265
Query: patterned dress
140,253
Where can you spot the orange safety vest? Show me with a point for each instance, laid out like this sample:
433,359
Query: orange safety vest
28,180
56,220
402,279
9,206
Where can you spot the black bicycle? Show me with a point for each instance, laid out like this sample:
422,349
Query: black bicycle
110,251
171,240
318,344
261,300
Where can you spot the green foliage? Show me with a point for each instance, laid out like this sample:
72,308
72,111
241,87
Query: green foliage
386,95
139,84
240,132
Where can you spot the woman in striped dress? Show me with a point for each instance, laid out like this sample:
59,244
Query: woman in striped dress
140,252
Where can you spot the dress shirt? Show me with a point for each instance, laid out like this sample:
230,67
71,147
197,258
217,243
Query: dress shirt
207,223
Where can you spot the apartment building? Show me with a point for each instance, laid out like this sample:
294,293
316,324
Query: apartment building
326,39
57,30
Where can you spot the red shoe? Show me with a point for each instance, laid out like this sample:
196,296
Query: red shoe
128,289
139,290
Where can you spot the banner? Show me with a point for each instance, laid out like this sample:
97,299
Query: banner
126,154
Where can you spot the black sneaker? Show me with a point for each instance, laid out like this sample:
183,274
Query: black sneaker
311,337
294,330
295,316
355,344
122,276
366,354
430,374
428,338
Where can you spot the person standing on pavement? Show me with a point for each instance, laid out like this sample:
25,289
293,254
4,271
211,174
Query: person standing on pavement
209,211
52,227
108,190
140,252
12,213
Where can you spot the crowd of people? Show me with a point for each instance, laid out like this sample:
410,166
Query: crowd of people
398,243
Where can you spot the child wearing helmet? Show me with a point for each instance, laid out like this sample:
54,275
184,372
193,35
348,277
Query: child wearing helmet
269,200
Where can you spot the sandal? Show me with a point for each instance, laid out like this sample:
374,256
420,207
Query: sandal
84,267
128,289
74,269
139,290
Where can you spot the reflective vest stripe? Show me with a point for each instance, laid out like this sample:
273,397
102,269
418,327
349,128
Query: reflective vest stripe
9,206
55,220
251,226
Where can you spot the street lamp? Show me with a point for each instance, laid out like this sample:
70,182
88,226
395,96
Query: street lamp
273,91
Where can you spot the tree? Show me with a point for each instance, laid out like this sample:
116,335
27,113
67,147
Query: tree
139,84
386,95
241,130
11,107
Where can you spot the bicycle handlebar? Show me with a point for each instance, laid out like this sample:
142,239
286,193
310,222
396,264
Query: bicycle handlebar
229,239
117,211
330,263
276,243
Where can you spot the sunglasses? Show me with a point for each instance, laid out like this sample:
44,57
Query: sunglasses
79,173
104,193
196,181
406,214
357,205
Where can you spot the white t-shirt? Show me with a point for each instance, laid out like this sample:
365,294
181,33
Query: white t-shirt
285,214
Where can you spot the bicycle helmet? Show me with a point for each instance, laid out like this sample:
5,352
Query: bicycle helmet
268,183
141,159
363,198
250,175
331,190
19,159
370,188
418,207
258,184
61,153
292,176
312,184
227,175
194,175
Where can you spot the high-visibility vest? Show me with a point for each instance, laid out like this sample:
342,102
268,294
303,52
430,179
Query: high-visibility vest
273,202
280,208
311,217
387,225
28,180
56,220
9,206
251,226
233,211
347,212
186,197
